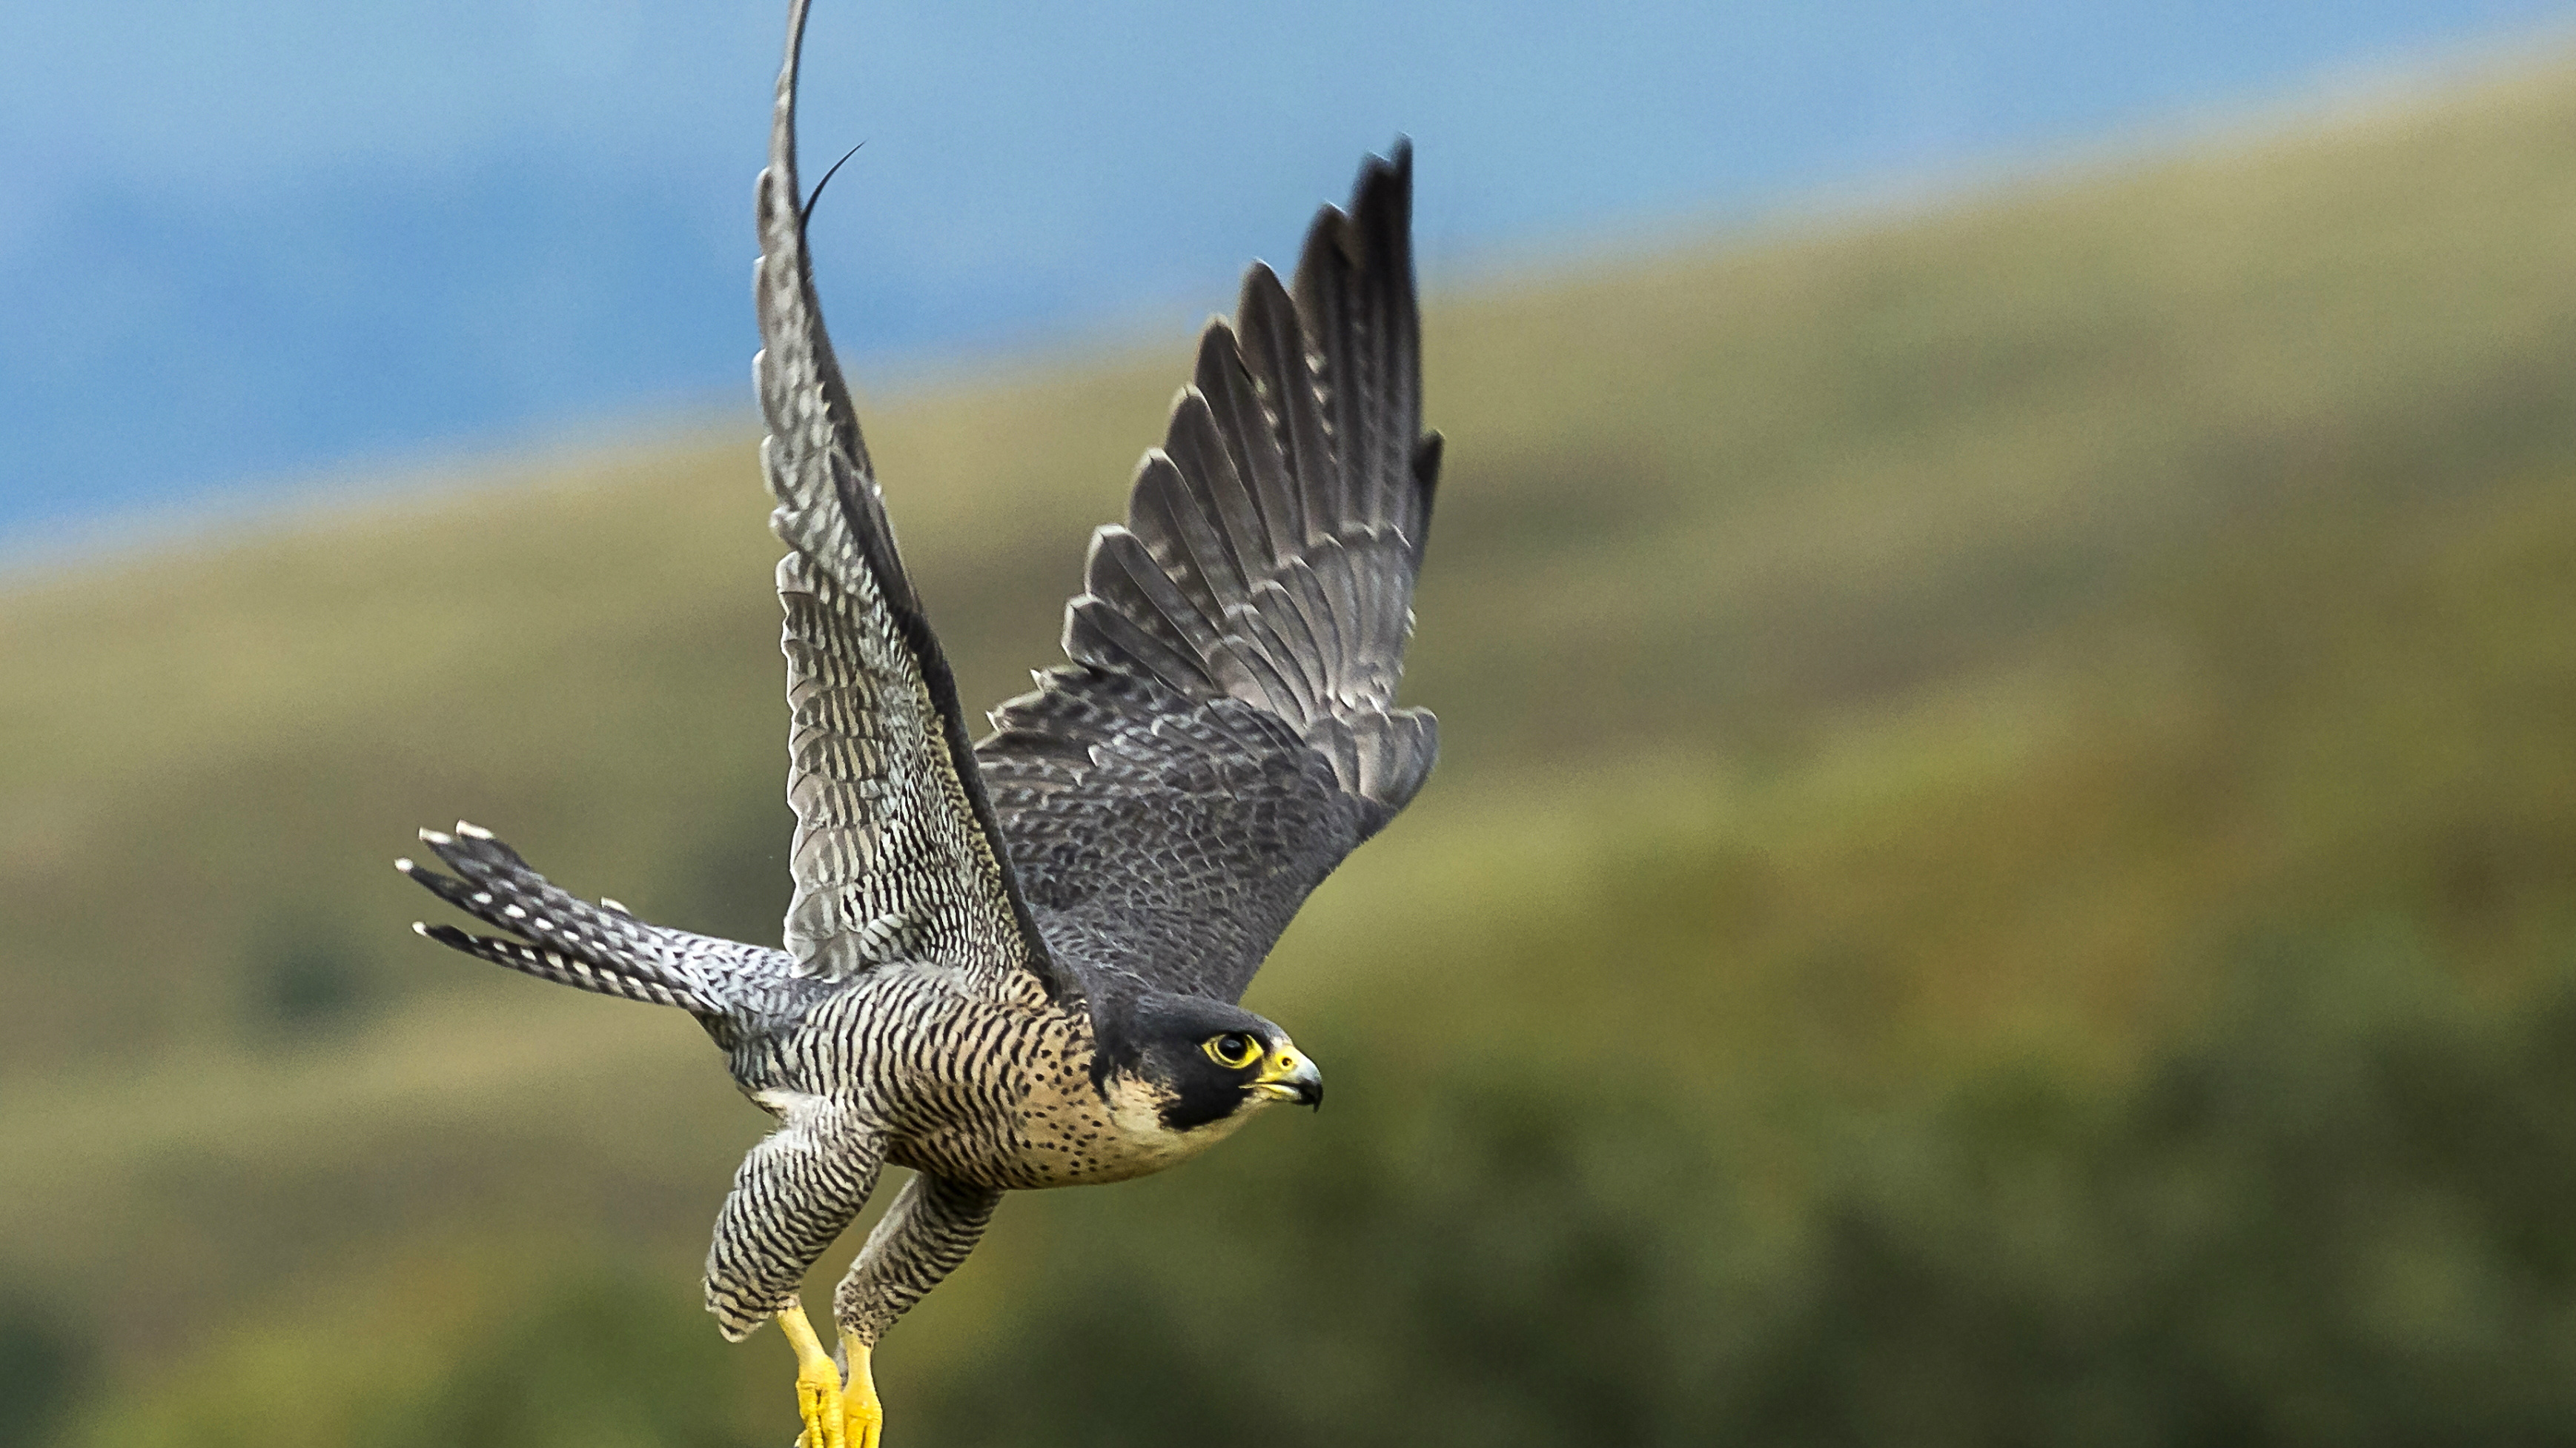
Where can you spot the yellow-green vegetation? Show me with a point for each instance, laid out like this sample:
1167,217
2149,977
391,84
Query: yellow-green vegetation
2003,872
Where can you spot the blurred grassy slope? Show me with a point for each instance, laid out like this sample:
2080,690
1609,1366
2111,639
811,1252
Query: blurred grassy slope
1859,656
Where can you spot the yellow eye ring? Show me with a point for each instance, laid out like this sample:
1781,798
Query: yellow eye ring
1234,1050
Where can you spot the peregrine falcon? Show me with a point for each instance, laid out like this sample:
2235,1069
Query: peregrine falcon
1015,963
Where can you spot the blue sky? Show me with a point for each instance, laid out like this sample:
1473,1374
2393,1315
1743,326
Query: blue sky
249,243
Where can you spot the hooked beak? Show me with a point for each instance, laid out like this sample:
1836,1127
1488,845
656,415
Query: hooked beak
1289,1076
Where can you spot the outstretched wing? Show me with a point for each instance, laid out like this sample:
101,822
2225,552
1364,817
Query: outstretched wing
1227,730
897,852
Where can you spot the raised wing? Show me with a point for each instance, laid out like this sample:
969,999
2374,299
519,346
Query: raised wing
897,853
1227,730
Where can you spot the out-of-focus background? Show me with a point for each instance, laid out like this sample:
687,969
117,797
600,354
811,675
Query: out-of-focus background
2003,609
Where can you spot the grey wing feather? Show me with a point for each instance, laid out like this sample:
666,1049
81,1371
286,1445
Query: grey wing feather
896,850
1227,730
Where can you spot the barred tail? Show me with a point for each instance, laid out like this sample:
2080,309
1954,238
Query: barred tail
561,938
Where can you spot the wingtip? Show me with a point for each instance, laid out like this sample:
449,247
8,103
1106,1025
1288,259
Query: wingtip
782,125
1383,197
436,838
403,864
472,831
420,928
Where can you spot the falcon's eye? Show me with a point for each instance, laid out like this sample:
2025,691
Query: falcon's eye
1234,1050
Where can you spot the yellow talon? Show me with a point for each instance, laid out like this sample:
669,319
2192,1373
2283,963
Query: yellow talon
867,1414
818,1386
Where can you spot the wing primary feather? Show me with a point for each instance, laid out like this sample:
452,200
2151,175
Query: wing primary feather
1134,577
1180,535
1303,581
1325,309
1198,448
1243,422
1274,353
1426,489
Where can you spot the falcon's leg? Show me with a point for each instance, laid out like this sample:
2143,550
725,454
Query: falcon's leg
793,1195
863,1411
818,1386
925,1234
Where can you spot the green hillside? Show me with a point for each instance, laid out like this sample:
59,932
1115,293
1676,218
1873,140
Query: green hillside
2005,856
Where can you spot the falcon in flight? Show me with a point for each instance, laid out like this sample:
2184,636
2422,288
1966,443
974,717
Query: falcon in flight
1015,963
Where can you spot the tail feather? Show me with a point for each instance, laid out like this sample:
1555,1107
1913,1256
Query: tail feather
561,937
558,967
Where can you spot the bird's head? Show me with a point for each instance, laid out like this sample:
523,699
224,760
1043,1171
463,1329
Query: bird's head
1202,1061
